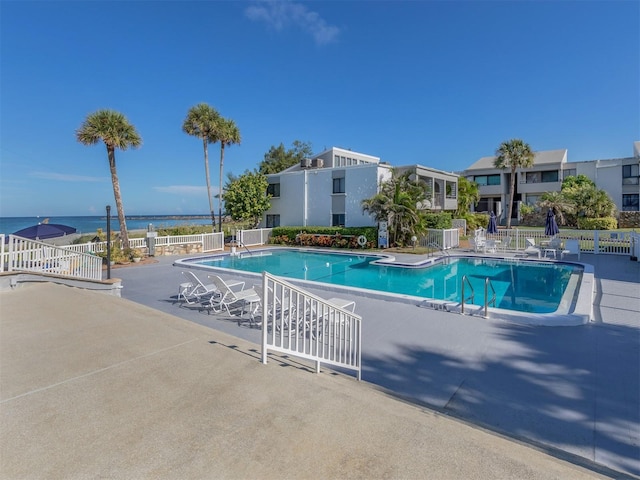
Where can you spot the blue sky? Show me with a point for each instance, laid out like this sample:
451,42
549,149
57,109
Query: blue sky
439,83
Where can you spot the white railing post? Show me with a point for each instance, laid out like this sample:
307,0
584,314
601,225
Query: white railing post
2,249
596,242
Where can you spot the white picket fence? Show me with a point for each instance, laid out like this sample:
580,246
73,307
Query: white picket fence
296,322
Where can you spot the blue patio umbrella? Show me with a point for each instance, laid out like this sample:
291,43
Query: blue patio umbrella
43,231
492,227
550,225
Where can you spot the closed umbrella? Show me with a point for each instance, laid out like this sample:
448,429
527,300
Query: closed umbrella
550,225
492,227
43,231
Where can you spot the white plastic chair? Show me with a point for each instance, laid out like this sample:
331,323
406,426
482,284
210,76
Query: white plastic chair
571,247
229,297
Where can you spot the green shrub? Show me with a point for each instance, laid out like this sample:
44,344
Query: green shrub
475,221
438,220
335,237
605,223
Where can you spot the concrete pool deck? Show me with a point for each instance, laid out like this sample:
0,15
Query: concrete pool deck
156,393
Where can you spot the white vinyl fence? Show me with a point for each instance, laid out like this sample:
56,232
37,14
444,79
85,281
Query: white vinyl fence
210,242
591,241
441,239
296,322
258,236
24,255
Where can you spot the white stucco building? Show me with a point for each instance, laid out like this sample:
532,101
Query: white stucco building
619,177
328,189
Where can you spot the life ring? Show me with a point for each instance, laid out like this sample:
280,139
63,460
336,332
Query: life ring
362,240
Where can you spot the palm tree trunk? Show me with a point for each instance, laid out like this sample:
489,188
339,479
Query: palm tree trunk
206,173
220,191
511,192
124,236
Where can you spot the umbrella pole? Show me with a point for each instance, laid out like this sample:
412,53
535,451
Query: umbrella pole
108,242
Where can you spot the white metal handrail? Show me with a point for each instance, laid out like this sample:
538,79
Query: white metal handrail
487,284
465,280
298,323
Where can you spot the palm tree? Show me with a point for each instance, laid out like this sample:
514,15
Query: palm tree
202,122
513,154
227,134
115,131
468,194
559,203
398,203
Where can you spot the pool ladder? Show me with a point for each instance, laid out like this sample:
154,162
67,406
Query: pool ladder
487,302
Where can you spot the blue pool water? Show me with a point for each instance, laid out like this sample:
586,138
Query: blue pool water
525,286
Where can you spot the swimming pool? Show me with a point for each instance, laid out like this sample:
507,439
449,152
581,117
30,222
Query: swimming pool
524,286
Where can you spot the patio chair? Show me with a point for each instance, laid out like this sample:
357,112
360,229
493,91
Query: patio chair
324,317
531,248
229,297
506,244
280,308
489,246
571,247
193,290
477,243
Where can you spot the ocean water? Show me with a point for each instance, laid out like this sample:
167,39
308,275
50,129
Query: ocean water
88,224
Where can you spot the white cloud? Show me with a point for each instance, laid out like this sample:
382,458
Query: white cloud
280,14
185,190
65,177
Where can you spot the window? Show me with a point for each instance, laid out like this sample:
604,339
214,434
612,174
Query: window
631,202
273,221
482,180
542,177
337,220
338,185
630,174
273,189
550,176
570,172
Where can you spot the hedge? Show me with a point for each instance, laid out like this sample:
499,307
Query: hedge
336,237
605,223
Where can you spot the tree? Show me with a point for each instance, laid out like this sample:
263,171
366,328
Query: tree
202,122
245,197
468,194
278,158
559,203
227,134
398,203
115,131
586,199
513,154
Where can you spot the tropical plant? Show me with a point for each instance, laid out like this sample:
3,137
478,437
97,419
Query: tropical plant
512,155
468,194
278,158
202,121
115,131
245,198
559,203
227,134
586,200
398,203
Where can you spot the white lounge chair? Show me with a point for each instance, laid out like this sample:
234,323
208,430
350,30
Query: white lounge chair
230,297
531,248
193,290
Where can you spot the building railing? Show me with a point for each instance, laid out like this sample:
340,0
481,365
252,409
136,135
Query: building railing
296,322
25,255
258,236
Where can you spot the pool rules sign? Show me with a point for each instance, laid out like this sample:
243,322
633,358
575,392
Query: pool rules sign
383,235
